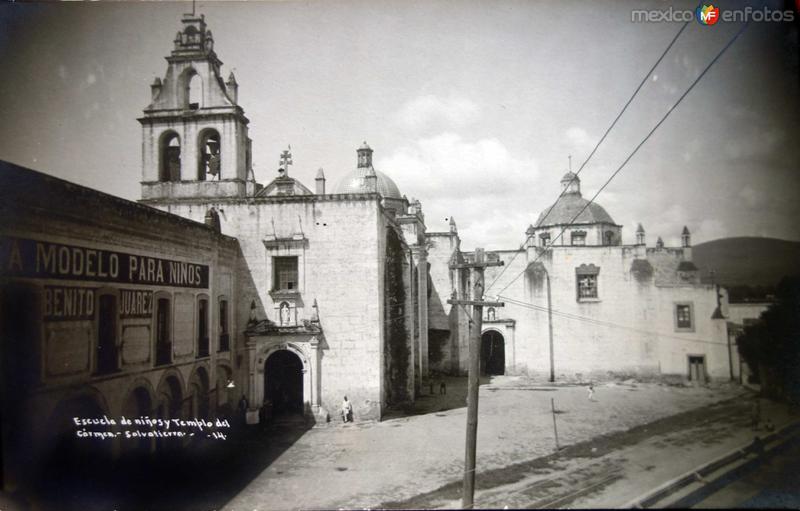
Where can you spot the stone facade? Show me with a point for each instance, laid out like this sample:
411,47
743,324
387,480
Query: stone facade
339,280
610,309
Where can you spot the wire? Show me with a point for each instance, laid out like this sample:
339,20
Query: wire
614,123
597,322
636,149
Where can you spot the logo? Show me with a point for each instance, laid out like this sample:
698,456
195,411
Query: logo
707,14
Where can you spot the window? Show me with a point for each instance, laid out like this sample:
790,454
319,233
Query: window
194,91
202,328
170,164
224,337
578,238
609,238
684,320
587,286
163,339
284,276
544,239
107,360
210,156
586,279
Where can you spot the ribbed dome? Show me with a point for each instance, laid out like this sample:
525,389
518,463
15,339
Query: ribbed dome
354,183
568,206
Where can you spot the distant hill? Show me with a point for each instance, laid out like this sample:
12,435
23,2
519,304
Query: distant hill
747,262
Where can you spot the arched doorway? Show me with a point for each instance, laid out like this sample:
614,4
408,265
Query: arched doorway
283,382
493,355
137,404
170,406
199,386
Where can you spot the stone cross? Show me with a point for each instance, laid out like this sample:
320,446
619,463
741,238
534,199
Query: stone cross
286,159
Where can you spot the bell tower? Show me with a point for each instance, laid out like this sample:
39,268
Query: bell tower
194,133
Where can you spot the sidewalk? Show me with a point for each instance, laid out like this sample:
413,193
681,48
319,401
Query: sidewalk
417,461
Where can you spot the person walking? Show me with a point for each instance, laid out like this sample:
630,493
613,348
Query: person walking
591,392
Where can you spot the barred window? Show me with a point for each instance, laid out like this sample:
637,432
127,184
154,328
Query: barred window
586,280
285,274
587,286
683,317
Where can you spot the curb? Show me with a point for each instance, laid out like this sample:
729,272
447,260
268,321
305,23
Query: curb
681,489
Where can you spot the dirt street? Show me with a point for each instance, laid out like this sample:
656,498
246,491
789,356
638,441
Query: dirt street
417,461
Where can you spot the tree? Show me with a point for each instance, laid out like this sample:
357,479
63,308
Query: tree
771,346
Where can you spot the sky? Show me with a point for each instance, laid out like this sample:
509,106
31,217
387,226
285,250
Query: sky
473,107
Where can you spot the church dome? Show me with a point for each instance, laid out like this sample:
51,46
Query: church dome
356,181
570,204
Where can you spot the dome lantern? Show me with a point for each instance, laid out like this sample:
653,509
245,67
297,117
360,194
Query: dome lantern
364,156
571,183
365,179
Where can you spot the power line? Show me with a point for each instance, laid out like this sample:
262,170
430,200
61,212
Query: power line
597,322
636,149
614,123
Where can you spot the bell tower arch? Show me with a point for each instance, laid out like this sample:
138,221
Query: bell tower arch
195,142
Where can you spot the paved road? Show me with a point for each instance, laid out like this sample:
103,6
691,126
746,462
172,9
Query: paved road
773,483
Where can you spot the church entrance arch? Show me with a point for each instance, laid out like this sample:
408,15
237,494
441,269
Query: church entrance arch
283,382
493,353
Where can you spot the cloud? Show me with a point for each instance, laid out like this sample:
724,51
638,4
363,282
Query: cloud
432,112
580,140
450,167
481,183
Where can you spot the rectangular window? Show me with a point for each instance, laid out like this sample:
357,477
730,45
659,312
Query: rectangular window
578,238
224,338
284,274
107,335
544,240
587,286
202,328
163,341
683,317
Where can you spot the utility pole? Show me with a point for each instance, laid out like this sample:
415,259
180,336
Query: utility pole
476,322
550,329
